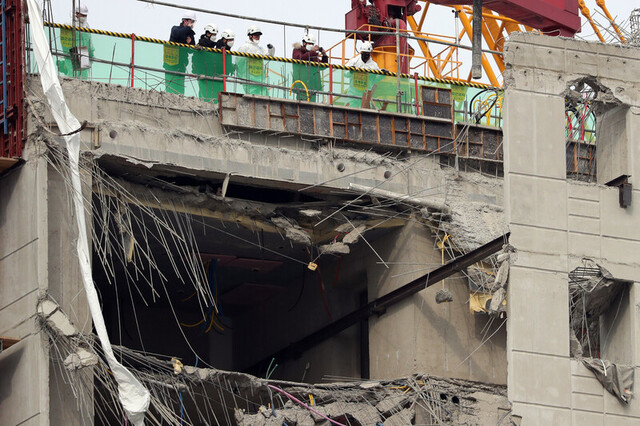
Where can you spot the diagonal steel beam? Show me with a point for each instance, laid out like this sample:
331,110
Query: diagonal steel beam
380,305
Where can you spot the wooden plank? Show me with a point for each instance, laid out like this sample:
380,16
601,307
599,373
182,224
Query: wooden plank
6,163
7,342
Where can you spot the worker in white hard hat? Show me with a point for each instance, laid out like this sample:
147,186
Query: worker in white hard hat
176,58
360,81
77,47
209,65
82,12
226,40
308,74
253,69
208,39
253,44
364,59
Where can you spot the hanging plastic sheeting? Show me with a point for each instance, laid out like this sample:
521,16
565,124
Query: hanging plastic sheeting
617,379
133,396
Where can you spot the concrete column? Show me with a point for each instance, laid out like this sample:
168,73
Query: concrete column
24,368
418,335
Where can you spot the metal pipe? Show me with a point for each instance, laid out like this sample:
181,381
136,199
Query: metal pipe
313,27
398,68
224,70
415,78
476,42
331,84
133,55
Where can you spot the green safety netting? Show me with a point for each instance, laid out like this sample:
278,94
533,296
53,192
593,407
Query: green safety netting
203,74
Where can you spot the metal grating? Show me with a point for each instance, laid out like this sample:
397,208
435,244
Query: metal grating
437,102
360,126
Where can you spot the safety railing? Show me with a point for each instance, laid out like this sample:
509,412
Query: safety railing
141,62
443,62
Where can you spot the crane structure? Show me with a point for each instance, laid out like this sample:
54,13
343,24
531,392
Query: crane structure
440,54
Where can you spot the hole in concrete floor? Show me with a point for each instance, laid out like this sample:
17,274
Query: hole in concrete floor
113,134
455,400
443,396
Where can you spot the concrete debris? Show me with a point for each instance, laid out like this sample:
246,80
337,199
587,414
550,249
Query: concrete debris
292,230
363,413
50,312
348,227
403,418
334,248
355,234
480,280
369,385
267,417
496,300
499,287
310,213
79,359
444,295
381,193
592,292
391,403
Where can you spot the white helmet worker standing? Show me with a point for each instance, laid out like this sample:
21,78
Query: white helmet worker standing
309,38
253,44
364,59
208,39
81,13
213,29
226,40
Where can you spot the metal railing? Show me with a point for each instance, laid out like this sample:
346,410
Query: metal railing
141,62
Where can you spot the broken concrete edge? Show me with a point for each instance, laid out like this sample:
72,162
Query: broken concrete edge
50,313
390,396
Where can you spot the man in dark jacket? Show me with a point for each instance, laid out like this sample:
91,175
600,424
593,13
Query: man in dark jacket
208,65
176,58
310,75
208,39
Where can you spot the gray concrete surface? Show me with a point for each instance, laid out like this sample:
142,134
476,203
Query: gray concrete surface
555,222
24,367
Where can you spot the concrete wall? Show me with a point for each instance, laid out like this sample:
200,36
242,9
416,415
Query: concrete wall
554,223
419,335
24,368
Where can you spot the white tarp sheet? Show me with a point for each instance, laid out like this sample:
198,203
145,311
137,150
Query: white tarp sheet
132,394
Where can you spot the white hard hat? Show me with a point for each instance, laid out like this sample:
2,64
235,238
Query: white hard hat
228,34
189,15
212,28
309,38
82,10
367,46
254,29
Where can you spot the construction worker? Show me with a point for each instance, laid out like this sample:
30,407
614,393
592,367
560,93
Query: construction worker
253,69
310,75
77,47
362,81
176,58
210,65
208,39
364,59
227,38
203,62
